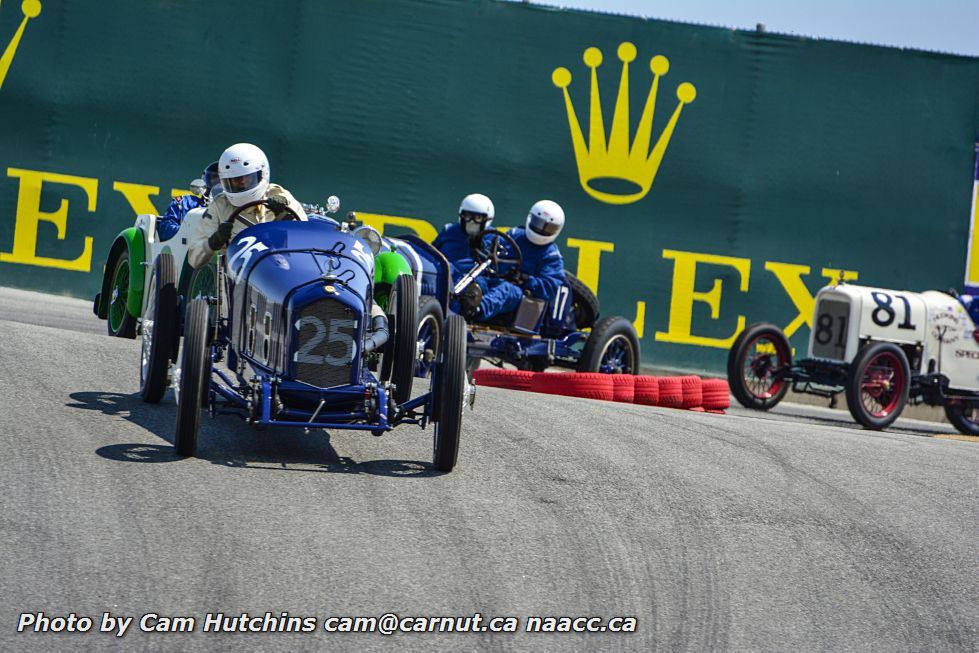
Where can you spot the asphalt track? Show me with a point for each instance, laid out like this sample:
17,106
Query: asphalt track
792,530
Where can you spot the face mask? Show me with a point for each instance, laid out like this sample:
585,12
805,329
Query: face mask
473,228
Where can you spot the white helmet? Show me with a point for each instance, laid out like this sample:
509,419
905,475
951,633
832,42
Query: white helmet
244,172
475,213
544,222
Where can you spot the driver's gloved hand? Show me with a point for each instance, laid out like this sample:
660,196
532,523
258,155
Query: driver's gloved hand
277,205
470,298
221,237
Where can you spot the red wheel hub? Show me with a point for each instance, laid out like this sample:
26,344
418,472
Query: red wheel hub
759,369
882,384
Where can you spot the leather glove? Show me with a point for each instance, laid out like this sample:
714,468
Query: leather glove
519,278
470,297
221,237
277,205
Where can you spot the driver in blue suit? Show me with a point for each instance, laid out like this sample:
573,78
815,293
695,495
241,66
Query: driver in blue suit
971,305
169,222
542,271
540,276
455,240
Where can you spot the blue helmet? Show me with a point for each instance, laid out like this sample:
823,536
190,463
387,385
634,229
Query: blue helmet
210,176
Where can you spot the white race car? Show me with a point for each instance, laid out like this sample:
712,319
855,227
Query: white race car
881,347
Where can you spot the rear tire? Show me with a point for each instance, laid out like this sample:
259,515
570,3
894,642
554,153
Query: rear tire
584,302
964,416
450,389
160,324
119,322
612,348
195,377
877,385
756,387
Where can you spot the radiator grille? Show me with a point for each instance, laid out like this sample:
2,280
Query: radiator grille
325,344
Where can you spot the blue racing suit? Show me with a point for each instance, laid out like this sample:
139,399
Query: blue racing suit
971,305
542,264
453,242
544,268
169,223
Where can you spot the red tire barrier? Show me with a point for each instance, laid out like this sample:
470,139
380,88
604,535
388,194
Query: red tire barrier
496,378
623,388
670,392
717,394
588,385
646,391
692,391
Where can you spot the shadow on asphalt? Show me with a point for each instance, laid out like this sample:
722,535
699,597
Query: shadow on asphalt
227,441
800,414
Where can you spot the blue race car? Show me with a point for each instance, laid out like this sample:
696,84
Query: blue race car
293,330
538,334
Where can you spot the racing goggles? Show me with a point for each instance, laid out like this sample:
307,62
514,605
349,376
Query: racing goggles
478,218
543,226
242,184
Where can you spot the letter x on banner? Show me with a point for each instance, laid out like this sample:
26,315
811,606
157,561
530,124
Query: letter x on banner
972,258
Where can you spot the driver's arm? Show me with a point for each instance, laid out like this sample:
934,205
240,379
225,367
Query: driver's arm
550,276
199,253
280,192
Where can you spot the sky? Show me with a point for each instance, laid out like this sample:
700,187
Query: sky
938,25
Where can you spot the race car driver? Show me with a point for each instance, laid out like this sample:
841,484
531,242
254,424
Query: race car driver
244,173
542,270
169,222
455,241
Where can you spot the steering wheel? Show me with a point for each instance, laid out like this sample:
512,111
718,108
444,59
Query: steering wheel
236,214
492,246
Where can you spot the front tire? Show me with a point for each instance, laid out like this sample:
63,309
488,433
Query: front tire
398,362
877,385
430,319
450,394
756,366
159,329
120,323
195,377
612,348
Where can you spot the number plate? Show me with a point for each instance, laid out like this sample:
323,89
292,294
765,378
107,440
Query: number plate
325,346
829,329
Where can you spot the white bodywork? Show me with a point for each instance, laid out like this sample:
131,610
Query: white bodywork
932,325
177,245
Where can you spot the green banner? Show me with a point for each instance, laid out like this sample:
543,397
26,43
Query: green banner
710,177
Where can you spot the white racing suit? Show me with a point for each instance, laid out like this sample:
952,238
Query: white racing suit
199,253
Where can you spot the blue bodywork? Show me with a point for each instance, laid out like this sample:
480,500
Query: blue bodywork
552,339
293,328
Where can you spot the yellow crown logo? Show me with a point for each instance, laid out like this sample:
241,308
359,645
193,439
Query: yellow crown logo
31,9
600,164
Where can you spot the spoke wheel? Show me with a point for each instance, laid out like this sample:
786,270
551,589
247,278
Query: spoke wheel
878,384
429,335
120,322
758,366
612,348
618,357
964,415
